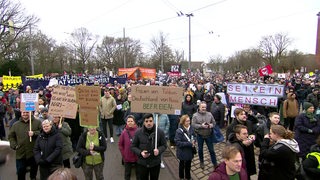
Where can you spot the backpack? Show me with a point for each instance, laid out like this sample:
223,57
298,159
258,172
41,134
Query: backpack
2,108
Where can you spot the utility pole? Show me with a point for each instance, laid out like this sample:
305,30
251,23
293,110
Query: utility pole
31,53
189,63
124,48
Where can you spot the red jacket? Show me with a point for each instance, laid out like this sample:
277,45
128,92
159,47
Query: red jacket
220,173
125,143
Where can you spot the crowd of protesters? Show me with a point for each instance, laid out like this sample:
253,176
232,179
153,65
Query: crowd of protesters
284,134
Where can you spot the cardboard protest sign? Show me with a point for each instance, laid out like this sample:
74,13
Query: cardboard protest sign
63,102
88,98
156,99
29,101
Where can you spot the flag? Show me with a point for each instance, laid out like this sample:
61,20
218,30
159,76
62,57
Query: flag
265,70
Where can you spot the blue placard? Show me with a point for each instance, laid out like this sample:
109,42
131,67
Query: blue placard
30,106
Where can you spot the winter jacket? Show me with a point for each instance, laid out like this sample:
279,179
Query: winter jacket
183,146
304,137
313,99
203,117
311,164
248,124
48,147
107,107
220,173
188,107
19,139
278,160
81,146
290,107
247,153
164,124
65,133
125,144
218,111
144,139
118,114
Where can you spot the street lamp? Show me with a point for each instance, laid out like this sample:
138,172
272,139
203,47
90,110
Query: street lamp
189,16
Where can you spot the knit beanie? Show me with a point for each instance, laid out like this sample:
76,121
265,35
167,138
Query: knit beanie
307,105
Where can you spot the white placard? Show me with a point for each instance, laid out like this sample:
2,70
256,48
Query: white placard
256,89
254,100
29,97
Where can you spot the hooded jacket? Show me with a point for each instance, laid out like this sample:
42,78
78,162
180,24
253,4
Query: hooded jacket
220,173
278,160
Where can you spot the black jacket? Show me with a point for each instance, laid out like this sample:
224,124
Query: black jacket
145,140
48,147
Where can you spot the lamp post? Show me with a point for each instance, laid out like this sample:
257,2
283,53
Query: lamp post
189,63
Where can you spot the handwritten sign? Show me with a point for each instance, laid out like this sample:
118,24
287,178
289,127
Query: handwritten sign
156,99
88,98
63,102
29,101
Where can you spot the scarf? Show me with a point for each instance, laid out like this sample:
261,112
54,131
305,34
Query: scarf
311,117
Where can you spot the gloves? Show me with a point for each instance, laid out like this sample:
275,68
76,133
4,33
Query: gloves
310,131
43,162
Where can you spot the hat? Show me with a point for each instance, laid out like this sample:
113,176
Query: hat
1,93
44,110
307,105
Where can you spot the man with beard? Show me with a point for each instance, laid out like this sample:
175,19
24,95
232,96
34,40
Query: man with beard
143,145
19,137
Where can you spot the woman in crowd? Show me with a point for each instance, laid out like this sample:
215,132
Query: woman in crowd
91,146
118,119
307,129
130,159
185,143
188,107
278,154
47,150
65,133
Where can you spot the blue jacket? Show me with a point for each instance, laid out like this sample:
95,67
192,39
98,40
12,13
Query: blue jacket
183,146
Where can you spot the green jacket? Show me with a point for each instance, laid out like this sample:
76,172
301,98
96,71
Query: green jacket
19,139
65,133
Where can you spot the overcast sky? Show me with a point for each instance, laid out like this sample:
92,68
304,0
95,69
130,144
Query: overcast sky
234,25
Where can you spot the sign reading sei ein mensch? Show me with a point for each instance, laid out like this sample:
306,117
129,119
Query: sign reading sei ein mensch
156,99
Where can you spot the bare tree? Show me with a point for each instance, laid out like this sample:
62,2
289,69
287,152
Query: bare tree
13,22
274,47
83,44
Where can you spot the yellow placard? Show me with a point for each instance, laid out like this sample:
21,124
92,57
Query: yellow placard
11,82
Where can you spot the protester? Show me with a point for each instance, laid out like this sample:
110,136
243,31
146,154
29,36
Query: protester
231,167
188,106
107,107
264,127
76,129
91,146
185,143
47,150
203,123
241,118
312,162
129,158
65,133
313,98
278,154
118,115
45,115
22,140
241,140
307,129
164,125
148,147
290,110
3,110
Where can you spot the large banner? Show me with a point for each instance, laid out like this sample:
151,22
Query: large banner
255,94
137,73
88,98
63,102
11,82
156,99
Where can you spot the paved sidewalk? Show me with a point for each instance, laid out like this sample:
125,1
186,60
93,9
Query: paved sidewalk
196,172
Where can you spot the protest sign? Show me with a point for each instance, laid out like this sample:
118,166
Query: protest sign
156,99
29,101
88,98
63,102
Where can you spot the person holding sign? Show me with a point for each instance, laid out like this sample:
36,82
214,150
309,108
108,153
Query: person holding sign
19,138
107,107
149,146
